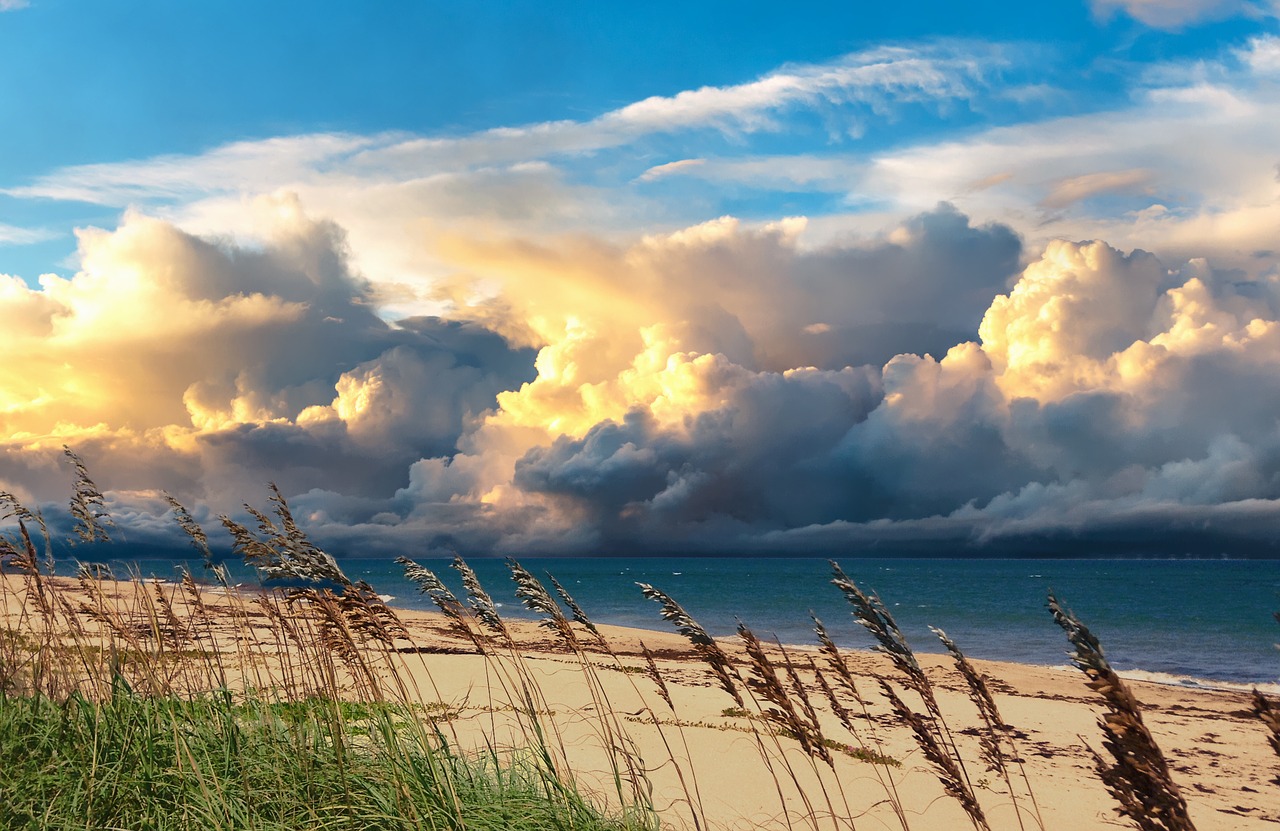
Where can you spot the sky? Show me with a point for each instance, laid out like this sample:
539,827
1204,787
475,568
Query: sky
700,278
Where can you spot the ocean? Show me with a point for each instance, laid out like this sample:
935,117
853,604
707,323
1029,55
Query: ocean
1193,622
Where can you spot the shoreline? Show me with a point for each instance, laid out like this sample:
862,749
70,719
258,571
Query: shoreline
1136,674
1220,630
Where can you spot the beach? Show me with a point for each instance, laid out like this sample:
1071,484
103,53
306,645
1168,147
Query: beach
683,744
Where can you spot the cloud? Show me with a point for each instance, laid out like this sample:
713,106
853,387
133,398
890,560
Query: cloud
900,74
1184,171
1088,175
215,368
847,91
240,166
1076,188
833,173
1262,55
13,235
1069,314
722,388
658,171
1177,14
13,5
474,349
1091,406
1191,138
1089,415
753,293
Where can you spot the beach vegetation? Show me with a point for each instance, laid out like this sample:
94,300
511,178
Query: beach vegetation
196,704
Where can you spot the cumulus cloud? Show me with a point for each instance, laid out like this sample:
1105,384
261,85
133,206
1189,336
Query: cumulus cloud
753,293
1089,414
720,388
209,369
1093,405
224,367
469,352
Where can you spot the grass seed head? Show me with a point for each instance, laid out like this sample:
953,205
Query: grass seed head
1138,778
703,644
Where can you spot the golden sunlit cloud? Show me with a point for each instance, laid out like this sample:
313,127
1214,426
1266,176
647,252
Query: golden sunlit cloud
585,392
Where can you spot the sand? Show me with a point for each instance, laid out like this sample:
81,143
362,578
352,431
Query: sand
728,770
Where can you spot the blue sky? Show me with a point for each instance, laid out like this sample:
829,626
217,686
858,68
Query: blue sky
686,277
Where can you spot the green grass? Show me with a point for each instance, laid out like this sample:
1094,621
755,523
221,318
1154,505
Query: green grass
148,763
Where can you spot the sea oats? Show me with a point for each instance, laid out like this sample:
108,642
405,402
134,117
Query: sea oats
87,504
703,644
800,723
1139,777
536,598
482,605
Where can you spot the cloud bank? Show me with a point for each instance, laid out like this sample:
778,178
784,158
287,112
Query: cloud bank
464,343
722,388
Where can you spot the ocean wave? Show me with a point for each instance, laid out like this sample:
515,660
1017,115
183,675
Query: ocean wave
1172,680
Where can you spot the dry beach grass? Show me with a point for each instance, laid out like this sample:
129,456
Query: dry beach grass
609,727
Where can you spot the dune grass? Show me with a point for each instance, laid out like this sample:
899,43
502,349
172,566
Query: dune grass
191,706
135,706
161,762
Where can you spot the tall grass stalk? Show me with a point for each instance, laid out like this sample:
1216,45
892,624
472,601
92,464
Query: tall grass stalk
931,731
1138,776
839,668
999,749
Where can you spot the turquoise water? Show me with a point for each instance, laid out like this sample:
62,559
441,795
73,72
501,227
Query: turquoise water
1196,619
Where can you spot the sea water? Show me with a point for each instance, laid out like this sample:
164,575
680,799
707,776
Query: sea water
1181,621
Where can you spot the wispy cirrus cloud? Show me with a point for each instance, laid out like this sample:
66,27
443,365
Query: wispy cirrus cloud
879,77
544,177
1073,189
13,5
1186,167
833,172
1178,14
661,170
14,235
240,166
847,92
1190,147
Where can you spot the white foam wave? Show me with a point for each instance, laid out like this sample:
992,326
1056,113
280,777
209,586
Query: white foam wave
1172,680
